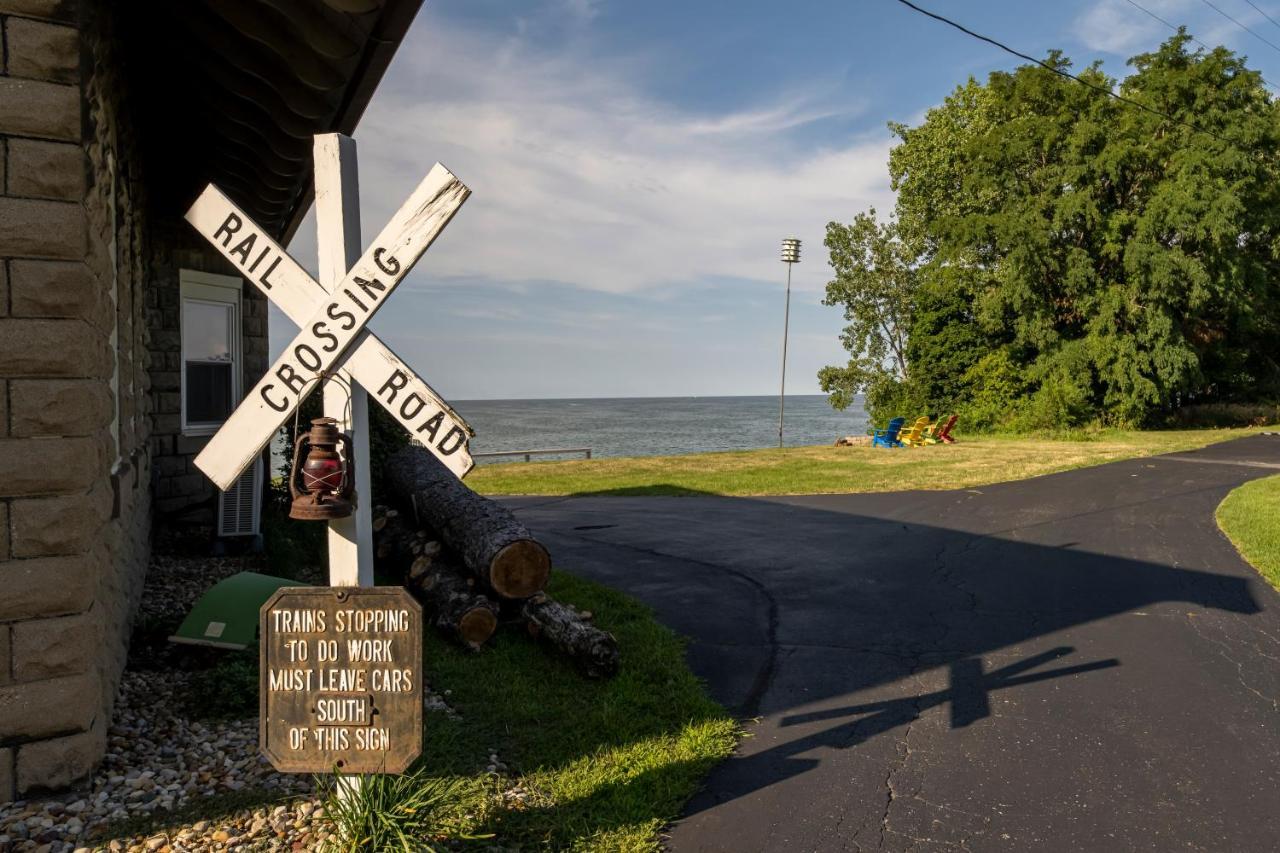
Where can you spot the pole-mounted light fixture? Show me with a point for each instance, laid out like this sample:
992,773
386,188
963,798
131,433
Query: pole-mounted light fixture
790,255
791,250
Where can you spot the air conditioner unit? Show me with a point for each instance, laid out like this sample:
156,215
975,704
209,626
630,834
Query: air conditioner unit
240,507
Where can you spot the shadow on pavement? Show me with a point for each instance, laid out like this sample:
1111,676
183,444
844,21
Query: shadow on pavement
842,622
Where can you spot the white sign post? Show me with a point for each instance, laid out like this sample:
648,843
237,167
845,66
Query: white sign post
333,348
338,245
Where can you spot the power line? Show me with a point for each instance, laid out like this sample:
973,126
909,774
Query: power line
1166,23
1251,32
1068,75
1142,8
1262,13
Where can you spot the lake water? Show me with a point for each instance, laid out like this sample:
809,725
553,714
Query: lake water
654,426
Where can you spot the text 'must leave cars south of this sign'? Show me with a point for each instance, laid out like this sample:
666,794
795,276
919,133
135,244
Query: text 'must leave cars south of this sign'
332,327
341,679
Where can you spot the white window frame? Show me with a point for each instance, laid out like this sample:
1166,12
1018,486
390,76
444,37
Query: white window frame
196,286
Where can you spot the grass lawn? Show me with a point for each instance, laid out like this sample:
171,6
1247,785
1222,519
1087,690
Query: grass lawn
602,765
591,765
1250,516
815,470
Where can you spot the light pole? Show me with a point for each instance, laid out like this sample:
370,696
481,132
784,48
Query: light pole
790,255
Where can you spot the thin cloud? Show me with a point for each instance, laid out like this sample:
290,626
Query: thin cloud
581,177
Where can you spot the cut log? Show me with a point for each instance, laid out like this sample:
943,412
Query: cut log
595,651
492,544
449,599
451,603
392,539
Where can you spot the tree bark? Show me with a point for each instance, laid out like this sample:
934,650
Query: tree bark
594,650
451,603
492,544
449,599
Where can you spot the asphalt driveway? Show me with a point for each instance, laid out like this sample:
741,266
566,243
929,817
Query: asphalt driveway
1075,662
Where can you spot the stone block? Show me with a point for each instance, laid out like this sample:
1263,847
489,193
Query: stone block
40,169
166,339
190,445
41,709
58,406
189,484
51,648
55,289
4,530
8,788
54,10
166,380
38,108
255,327
168,402
42,51
44,527
161,445
171,504
48,586
4,413
49,466
166,422
53,348
171,466
35,228
51,765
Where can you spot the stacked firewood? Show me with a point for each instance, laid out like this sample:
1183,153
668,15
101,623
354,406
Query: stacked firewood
473,565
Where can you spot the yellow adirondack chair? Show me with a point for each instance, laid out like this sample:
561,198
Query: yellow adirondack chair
913,436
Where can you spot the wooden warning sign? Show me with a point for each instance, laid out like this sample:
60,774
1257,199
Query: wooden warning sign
341,679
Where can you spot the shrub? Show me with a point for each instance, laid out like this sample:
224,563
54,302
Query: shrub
377,813
1226,415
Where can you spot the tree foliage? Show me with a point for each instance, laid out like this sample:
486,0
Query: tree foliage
1072,258
875,282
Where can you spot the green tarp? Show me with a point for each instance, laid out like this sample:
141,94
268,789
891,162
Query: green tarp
226,616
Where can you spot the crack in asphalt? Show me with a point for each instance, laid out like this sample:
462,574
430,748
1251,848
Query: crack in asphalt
1224,651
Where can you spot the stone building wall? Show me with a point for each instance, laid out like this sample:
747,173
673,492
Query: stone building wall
182,492
74,473
88,384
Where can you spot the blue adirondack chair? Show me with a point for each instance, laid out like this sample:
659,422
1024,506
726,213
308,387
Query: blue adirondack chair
888,437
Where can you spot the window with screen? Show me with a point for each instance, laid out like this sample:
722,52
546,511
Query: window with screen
210,350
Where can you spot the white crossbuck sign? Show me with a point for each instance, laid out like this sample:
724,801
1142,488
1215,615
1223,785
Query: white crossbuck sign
333,335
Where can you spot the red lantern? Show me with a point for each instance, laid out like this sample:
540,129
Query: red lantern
321,485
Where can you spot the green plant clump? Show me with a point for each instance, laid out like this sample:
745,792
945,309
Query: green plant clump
386,813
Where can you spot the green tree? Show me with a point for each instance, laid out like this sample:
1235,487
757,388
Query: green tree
875,283
1076,258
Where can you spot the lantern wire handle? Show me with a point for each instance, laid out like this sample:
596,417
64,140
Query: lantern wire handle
318,378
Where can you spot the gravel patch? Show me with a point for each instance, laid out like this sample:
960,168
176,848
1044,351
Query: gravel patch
160,759
157,760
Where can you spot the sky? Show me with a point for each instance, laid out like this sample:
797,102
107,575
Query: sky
635,166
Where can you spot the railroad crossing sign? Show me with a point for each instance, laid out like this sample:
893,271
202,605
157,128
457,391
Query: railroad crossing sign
332,322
